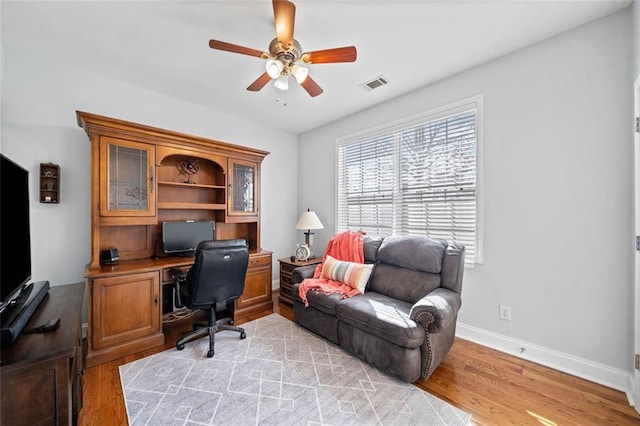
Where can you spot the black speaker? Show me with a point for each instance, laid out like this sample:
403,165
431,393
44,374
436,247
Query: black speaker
109,256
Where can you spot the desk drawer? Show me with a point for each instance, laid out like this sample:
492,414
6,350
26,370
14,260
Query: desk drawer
255,261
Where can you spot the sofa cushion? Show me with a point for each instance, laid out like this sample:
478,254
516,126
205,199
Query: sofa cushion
404,284
324,302
355,275
412,252
370,247
382,316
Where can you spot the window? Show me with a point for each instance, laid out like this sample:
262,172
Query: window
418,176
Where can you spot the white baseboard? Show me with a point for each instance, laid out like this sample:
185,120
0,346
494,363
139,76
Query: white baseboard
580,367
632,391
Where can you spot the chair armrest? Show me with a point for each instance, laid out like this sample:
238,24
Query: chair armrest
436,310
179,277
302,272
178,274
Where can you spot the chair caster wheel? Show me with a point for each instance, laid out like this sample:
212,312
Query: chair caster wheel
243,335
210,354
180,346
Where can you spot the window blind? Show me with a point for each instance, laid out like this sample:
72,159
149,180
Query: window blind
416,178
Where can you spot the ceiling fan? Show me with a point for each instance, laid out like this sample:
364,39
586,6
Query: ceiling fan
285,56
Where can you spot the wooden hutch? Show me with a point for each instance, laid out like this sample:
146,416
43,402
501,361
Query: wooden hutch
142,176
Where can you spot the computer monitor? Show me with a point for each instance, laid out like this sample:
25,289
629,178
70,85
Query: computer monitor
182,238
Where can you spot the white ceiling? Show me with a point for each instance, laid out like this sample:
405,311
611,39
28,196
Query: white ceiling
163,45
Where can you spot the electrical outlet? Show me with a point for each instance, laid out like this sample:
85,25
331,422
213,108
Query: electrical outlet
504,312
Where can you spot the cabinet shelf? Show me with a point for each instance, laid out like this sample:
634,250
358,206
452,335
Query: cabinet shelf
189,185
191,206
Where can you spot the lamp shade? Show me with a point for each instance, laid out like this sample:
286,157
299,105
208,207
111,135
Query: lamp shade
300,73
282,82
274,68
309,220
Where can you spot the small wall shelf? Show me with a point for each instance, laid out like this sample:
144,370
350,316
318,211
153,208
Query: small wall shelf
49,183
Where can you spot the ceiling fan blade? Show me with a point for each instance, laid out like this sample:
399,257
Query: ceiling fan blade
339,54
259,83
284,16
234,48
311,87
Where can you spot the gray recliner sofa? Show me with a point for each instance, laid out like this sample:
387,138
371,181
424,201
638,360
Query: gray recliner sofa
404,323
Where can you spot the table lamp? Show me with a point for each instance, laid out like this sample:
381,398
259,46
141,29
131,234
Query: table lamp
309,220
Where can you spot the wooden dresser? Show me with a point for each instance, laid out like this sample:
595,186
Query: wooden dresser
41,375
142,176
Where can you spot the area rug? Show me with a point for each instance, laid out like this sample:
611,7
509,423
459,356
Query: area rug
281,374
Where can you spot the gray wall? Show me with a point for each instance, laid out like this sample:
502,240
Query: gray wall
557,186
39,100
635,7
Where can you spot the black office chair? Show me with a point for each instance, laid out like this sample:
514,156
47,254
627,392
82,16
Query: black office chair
215,279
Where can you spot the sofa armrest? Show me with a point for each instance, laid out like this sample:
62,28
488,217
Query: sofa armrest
302,272
436,310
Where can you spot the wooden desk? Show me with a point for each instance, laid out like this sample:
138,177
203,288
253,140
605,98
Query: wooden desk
125,302
42,373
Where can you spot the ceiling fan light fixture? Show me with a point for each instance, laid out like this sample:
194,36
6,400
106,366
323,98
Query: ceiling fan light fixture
274,68
282,82
300,73
284,53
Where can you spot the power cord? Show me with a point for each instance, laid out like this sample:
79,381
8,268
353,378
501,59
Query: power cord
178,315
44,328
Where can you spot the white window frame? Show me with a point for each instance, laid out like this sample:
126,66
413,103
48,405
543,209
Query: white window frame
476,102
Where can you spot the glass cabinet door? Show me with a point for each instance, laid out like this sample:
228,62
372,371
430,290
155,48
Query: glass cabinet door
126,175
242,188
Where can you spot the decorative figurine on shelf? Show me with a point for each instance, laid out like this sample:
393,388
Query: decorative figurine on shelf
188,168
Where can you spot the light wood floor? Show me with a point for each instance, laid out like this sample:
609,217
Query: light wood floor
495,388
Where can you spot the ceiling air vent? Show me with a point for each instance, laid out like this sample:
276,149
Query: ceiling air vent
375,83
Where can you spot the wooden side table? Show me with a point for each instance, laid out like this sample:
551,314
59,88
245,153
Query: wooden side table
286,268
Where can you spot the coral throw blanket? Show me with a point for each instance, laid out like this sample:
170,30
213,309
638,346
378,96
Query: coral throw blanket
346,246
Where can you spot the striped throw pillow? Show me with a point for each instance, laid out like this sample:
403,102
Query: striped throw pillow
353,274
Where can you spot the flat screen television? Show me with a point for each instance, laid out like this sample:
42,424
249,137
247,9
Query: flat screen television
15,246
182,238
19,298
